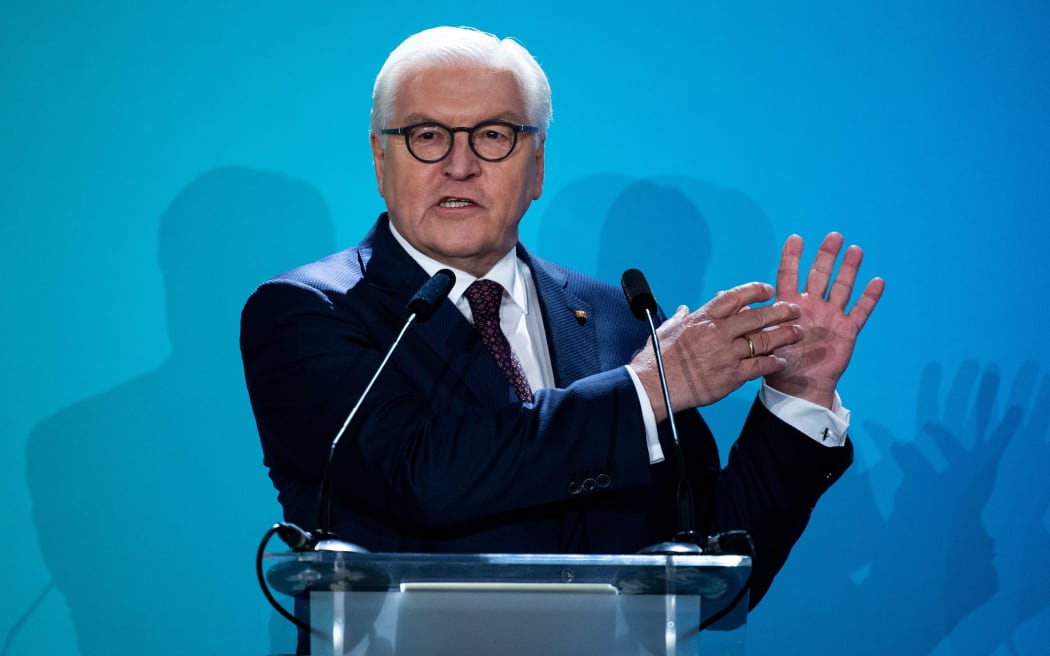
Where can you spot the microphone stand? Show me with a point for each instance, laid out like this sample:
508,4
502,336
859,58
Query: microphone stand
422,306
324,539
685,541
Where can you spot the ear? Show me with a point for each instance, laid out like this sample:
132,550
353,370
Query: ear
537,188
377,159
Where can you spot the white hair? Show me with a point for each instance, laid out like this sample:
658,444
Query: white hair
461,46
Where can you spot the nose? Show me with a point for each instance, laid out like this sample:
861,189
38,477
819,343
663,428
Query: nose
461,163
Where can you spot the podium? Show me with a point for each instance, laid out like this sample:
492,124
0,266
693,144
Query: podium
366,604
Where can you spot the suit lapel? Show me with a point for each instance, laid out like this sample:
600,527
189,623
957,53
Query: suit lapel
447,335
571,335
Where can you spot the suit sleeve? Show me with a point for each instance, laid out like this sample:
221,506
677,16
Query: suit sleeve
773,479
423,453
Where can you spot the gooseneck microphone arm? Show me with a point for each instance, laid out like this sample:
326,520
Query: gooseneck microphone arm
422,306
643,305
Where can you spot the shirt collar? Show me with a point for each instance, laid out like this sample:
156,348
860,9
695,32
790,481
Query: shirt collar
507,272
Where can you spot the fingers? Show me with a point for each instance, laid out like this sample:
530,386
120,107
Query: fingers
866,303
817,281
787,273
753,321
842,288
753,345
823,265
753,330
761,365
731,301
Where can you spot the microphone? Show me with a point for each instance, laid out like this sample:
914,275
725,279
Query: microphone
638,294
302,540
423,305
430,296
643,305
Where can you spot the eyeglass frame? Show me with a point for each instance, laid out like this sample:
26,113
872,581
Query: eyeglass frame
517,128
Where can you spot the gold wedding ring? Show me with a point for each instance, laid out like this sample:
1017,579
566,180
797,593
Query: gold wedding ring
750,346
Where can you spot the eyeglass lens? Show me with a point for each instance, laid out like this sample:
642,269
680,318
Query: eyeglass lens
491,141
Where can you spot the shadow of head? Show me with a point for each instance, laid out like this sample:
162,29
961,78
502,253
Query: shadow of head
226,232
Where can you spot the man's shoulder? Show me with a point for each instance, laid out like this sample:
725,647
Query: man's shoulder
312,287
338,271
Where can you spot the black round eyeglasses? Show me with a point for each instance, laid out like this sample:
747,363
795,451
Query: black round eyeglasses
431,142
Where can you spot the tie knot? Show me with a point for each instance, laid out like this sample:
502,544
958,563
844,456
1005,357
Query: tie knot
484,297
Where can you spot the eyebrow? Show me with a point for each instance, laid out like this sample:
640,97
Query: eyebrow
512,117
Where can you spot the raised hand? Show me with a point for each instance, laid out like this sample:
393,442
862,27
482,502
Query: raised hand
711,352
814,364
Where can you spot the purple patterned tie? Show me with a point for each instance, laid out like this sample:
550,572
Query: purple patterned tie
484,297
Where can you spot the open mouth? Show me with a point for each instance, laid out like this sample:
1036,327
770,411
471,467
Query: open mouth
455,202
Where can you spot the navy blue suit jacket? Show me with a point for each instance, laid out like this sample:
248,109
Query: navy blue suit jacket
442,457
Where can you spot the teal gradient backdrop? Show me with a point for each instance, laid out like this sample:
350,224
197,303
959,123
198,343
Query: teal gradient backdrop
160,159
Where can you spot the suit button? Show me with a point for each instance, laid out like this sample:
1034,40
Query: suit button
603,480
589,485
574,488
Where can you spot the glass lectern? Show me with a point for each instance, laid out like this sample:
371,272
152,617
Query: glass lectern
517,604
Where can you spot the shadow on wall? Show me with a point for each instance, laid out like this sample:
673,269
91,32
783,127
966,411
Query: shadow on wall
690,238
960,564
150,499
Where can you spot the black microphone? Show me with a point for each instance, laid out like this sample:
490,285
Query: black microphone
422,306
638,294
302,540
430,296
643,305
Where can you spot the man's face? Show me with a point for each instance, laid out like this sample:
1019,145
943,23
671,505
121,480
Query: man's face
462,211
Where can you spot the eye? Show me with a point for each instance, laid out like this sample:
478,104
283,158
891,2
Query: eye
428,134
494,133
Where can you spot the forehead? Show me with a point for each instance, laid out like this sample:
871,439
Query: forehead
459,94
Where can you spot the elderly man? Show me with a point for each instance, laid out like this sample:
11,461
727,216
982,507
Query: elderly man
527,414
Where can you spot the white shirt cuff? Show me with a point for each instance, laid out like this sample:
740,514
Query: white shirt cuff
652,439
824,426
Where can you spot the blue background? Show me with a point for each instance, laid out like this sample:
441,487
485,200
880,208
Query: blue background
160,159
